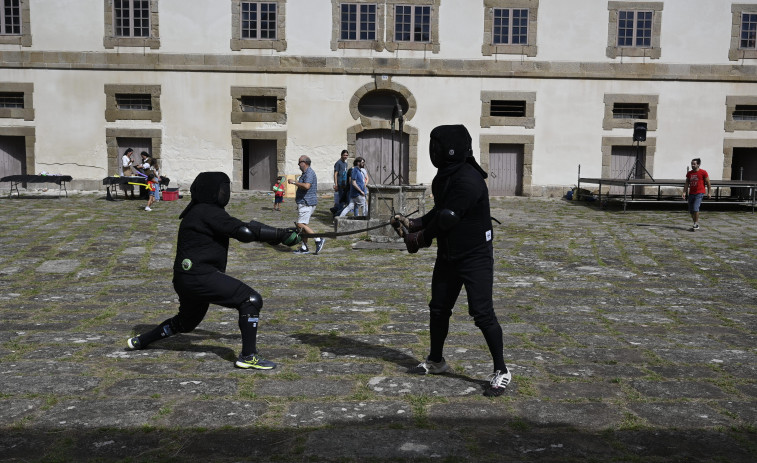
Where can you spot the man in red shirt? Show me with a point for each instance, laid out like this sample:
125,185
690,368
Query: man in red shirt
696,179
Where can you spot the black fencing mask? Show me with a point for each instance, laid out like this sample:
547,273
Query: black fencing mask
209,188
450,144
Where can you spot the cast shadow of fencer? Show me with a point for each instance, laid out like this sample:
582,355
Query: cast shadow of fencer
186,342
343,346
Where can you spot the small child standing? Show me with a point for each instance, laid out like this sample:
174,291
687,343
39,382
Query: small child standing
153,185
278,193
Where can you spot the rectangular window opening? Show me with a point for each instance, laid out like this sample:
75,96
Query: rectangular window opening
508,108
131,18
358,21
134,102
259,104
10,17
510,26
630,111
258,20
12,100
748,31
635,28
745,113
412,23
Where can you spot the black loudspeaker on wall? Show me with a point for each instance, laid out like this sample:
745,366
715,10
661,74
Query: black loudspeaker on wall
639,131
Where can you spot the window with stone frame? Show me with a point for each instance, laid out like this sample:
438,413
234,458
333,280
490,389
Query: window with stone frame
634,29
16,101
258,25
357,24
510,27
258,104
508,109
743,32
15,25
622,110
132,102
741,113
131,23
412,25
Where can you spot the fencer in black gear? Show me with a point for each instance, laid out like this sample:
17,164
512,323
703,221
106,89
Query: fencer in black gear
460,220
200,263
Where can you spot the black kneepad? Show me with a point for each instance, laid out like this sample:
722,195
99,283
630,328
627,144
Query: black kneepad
252,305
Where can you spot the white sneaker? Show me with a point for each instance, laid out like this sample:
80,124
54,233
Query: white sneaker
498,381
147,208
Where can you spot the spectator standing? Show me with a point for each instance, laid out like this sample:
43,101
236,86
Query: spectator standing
153,188
306,198
696,179
358,190
279,188
127,170
127,162
340,182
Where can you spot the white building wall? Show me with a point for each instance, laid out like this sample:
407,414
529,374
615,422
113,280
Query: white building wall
196,127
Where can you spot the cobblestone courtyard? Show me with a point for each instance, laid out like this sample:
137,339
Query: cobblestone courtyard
630,338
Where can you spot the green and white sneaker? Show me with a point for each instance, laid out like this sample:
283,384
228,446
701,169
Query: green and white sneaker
254,361
134,343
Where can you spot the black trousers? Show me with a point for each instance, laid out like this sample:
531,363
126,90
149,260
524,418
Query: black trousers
197,292
475,271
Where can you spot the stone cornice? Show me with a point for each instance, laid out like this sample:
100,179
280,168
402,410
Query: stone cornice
477,68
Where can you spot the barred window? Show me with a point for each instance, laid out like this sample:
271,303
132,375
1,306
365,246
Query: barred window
12,100
745,113
635,28
134,102
358,21
259,20
412,23
259,104
510,26
748,31
131,18
507,108
630,111
10,18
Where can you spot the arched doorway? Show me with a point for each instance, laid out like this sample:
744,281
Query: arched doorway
383,137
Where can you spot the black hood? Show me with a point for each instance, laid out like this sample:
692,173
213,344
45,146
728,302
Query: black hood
209,188
450,144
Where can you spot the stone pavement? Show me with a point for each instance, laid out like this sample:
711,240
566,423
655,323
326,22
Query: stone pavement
630,339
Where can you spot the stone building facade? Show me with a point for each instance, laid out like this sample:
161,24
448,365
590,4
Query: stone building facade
246,87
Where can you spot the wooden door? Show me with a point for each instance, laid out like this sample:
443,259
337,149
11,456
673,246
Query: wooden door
260,165
12,156
505,169
384,165
623,163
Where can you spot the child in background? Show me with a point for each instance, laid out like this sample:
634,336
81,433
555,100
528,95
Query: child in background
278,193
153,186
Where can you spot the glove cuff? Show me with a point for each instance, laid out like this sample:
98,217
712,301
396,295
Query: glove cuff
415,225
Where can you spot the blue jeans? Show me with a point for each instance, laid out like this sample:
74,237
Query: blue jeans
695,201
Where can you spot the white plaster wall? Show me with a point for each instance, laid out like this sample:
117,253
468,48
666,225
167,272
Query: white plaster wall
196,127
67,25
693,31
195,26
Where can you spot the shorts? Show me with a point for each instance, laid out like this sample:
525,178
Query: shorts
304,212
694,201
278,199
